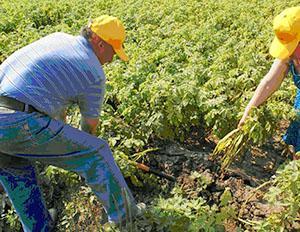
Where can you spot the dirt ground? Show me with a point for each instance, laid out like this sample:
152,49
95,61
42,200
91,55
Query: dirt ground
256,167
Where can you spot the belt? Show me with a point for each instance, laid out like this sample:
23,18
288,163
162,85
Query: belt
14,104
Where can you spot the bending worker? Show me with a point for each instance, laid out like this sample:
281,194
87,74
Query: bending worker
37,83
285,48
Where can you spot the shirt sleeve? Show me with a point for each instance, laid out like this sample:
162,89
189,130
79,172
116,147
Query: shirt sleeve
90,102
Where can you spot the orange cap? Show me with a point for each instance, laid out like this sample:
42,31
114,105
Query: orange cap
286,26
112,31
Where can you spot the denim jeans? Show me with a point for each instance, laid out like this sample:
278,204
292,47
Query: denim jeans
25,138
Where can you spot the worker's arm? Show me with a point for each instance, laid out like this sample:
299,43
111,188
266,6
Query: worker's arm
89,125
61,116
268,85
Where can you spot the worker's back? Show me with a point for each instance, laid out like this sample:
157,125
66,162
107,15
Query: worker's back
53,72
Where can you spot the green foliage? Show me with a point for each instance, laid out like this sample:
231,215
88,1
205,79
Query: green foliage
189,65
12,220
284,195
179,213
202,181
193,64
82,212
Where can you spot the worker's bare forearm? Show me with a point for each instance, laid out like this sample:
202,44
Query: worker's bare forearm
87,128
89,125
64,116
61,116
264,90
269,84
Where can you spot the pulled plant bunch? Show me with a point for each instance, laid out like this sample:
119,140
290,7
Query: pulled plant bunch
256,130
231,147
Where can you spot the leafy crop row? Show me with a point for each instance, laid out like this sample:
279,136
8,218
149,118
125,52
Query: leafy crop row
193,64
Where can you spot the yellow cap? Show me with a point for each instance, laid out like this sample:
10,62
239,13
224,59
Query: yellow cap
286,26
112,31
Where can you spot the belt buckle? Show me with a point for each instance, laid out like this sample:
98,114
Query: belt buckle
26,107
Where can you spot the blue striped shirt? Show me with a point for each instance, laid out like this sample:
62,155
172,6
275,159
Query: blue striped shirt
54,72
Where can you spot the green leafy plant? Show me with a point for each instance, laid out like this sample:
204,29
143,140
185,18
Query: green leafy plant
192,65
179,213
284,197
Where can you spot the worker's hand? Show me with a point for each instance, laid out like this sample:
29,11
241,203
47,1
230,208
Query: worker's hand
62,116
243,119
89,125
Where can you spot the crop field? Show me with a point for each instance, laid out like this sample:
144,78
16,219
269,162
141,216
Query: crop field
193,68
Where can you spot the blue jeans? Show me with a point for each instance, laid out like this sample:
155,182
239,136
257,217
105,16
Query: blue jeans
292,135
25,138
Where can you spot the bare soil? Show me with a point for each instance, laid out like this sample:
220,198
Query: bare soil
243,177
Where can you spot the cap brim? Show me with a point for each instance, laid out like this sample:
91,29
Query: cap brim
121,53
282,51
